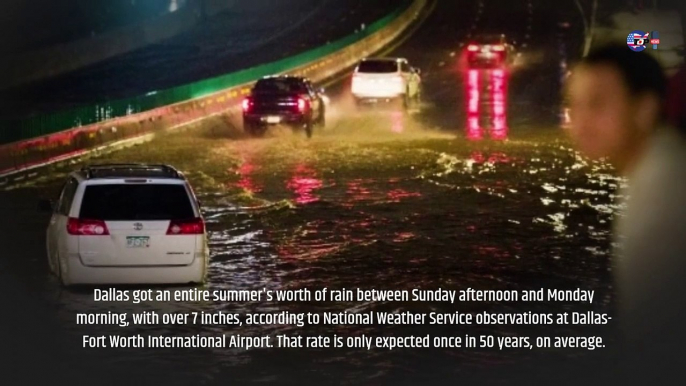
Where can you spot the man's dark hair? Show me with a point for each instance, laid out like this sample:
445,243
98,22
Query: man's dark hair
640,71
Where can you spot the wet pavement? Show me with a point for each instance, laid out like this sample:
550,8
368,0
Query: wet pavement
475,187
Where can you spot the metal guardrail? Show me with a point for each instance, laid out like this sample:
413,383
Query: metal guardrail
66,134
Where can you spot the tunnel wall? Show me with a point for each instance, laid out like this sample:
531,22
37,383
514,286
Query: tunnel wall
69,134
67,21
667,22
41,64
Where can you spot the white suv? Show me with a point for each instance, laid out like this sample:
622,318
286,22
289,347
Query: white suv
385,79
127,224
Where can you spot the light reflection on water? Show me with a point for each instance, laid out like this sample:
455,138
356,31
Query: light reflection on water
304,183
486,92
397,122
246,170
470,217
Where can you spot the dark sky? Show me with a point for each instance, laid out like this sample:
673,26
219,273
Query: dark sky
31,24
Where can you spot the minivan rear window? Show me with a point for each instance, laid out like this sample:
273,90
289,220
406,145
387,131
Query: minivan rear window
118,202
378,66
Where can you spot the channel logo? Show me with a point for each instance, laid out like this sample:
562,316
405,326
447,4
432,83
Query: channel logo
638,41
655,39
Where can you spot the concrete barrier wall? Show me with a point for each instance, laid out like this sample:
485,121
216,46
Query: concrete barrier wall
26,155
337,62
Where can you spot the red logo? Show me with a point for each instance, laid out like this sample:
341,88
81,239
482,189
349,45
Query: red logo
654,41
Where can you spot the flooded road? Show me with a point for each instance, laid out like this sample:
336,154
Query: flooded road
359,206
378,199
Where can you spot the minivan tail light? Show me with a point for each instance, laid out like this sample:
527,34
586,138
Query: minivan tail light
246,104
194,226
473,47
85,227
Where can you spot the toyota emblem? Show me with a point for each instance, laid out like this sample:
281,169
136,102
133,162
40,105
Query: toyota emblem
137,226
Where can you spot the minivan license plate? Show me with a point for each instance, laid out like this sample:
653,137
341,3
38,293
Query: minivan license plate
274,119
137,242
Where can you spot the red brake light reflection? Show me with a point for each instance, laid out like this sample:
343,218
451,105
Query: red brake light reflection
194,226
474,131
473,92
499,91
81,227
302,105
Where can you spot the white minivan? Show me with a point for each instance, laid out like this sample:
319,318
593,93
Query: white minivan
127,224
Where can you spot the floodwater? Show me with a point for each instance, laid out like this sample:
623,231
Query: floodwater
476,186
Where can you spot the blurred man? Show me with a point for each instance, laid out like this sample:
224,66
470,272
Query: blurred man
676,100
618,100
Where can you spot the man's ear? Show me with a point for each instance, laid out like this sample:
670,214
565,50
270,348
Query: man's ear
648,112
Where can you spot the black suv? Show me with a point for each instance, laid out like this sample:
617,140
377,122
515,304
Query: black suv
288,100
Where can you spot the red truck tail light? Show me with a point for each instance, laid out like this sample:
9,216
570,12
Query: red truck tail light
83,227
194,226
246,104
303,104
473,47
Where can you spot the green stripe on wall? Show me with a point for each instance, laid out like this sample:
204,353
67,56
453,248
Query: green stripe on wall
44,124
